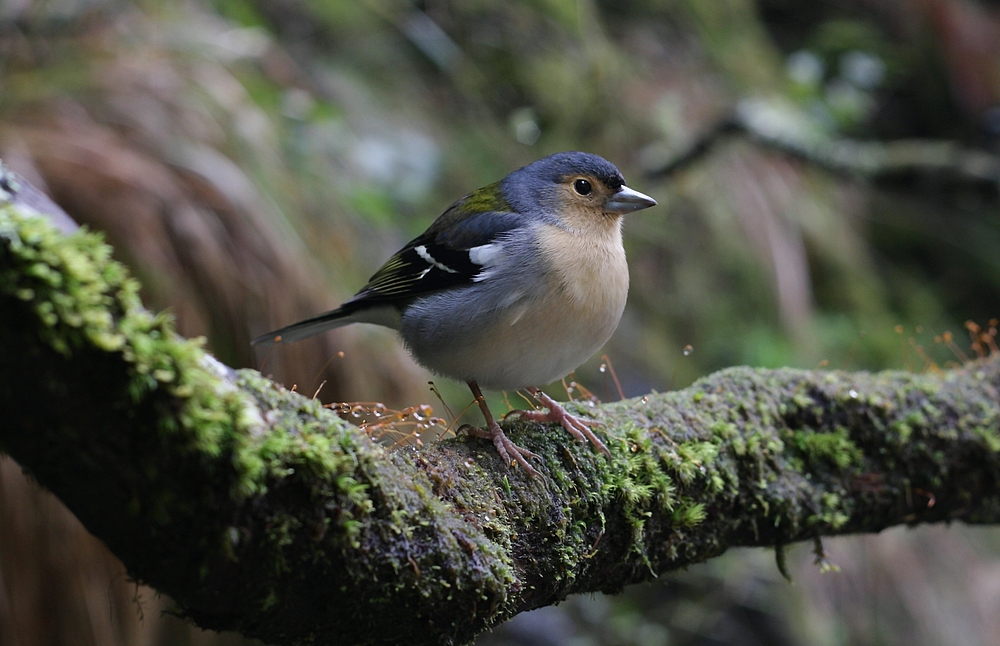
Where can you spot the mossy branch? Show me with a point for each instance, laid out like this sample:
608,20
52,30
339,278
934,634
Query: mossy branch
259,511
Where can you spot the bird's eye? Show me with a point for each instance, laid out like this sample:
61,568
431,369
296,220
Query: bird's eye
582,187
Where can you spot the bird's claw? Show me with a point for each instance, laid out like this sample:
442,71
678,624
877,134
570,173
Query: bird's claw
509,452
578,427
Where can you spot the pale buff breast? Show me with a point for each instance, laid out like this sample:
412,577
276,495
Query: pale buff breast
534,343
589,270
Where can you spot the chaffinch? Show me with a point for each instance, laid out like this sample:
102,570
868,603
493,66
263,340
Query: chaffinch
512,287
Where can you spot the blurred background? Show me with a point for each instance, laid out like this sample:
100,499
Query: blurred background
827,174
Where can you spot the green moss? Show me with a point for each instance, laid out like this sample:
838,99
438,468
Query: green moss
990,437
688,514
724,430
833,513
903,431
834,447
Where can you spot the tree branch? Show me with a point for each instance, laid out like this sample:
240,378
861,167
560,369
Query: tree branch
260,511
774,125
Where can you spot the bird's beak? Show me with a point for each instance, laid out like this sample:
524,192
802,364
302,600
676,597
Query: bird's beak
626,201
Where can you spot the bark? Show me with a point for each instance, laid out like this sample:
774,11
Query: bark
258,510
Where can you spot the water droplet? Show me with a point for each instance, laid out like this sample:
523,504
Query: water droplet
688,349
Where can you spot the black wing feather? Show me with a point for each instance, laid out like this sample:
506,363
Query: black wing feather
437,259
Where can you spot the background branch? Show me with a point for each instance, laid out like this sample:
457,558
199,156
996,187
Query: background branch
780,127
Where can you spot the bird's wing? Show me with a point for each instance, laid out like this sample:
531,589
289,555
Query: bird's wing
454,251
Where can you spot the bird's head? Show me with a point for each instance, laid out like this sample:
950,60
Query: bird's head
581,189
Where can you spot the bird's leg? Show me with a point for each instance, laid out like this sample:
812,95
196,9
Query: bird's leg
505,447
578,427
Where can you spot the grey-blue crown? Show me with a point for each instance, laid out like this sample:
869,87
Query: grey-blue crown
525,186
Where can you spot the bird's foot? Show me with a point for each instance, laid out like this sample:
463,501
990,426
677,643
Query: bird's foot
509,452
578,427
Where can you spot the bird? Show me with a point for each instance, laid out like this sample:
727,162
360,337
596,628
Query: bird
511,288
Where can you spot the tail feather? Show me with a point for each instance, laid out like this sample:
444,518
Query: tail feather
350,312
307,328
